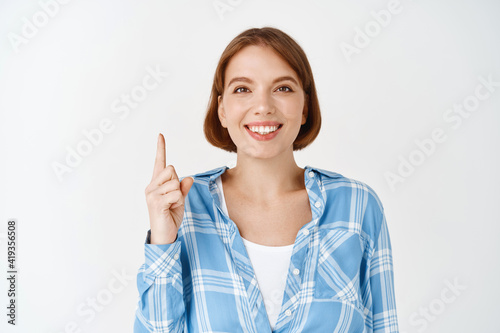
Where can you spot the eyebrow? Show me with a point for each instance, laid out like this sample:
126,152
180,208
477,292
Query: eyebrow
279,79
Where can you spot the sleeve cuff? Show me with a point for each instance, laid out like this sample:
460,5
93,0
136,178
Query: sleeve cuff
162,259
148,238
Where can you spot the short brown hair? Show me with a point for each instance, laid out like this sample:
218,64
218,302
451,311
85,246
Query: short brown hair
293,54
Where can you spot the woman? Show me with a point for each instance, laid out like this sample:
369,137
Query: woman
265,246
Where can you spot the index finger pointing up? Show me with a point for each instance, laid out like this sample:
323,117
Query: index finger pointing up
160,156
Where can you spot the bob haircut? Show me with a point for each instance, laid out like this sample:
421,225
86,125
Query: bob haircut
291,53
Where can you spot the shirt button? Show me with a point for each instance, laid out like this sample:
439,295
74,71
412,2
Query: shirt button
317,204
305,232
176,256
288,312
296,271
311,174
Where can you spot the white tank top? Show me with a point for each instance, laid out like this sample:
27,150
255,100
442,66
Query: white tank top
270,264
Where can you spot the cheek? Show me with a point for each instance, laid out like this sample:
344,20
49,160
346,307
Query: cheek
235,103
291,106
233,110
294,114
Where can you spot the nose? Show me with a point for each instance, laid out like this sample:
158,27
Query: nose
264,103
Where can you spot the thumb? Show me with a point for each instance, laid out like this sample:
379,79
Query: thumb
186,184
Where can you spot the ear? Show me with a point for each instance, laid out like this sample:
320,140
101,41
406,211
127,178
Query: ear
221,112
306,110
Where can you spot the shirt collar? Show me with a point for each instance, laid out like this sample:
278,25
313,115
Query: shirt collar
214,173
313,179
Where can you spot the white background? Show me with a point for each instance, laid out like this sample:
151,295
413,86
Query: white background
78,232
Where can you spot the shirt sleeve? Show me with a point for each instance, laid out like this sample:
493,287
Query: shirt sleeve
381,277
159,282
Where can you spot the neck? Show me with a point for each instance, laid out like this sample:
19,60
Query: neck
265,180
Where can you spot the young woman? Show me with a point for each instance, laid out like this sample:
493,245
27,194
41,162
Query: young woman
265,246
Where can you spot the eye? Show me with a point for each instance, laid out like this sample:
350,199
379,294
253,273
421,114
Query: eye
236,90
287,87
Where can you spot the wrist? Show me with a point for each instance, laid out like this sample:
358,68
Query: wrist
160,238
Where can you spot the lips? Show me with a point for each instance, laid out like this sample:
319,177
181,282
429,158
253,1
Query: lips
263,129
265,136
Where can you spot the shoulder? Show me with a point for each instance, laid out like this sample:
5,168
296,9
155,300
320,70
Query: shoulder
353,199
334,181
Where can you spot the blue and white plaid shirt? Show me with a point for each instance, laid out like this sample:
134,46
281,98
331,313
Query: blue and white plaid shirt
204,281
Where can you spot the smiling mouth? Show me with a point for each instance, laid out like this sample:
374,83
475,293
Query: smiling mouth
263,130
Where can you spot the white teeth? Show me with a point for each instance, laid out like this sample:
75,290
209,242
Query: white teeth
263,129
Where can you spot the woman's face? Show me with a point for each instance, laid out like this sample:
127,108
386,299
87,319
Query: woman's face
262,89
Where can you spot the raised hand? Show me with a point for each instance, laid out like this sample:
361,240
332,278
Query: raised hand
165,197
